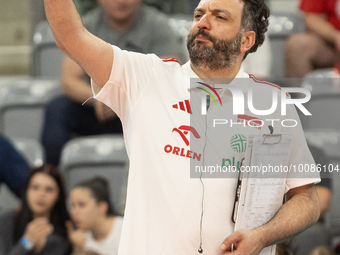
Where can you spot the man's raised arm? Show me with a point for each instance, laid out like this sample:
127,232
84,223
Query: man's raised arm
93,54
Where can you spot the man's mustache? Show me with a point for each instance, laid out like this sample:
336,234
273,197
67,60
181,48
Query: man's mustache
205,34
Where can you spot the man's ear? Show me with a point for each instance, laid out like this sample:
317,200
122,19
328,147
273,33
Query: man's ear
248,40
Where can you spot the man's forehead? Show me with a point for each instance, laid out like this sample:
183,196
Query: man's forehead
220,4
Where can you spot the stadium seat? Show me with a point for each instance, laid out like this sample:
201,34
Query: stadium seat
46,56
329,141
105,156
34,154
281,26
324,102
22,103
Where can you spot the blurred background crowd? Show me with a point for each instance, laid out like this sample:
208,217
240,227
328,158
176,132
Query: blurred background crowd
63,164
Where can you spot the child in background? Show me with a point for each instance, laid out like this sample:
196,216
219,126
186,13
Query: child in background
97,228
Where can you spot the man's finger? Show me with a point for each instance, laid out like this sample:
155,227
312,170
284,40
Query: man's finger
229,244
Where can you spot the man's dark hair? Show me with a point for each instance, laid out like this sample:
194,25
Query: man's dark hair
255,18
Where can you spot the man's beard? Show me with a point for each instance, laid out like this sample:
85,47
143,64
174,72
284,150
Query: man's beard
221,55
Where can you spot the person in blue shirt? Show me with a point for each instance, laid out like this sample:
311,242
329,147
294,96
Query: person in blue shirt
13,166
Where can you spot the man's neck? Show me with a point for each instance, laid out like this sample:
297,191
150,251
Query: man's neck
229,72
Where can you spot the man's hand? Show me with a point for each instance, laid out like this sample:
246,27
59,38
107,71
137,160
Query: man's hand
299,212
244,242
37,231
103,112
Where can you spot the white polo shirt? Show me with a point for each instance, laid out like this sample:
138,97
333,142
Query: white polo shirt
164,205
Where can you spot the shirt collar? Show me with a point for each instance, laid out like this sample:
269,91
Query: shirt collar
189,73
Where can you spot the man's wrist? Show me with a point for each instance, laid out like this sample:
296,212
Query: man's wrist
259,234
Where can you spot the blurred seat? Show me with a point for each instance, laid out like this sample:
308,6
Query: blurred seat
22,103
33,151
105,156
181,24
46,56
329,141
281,26
324,104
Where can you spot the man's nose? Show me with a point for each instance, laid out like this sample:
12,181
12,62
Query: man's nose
204,22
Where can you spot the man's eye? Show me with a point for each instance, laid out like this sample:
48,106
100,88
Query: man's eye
197,16
220,17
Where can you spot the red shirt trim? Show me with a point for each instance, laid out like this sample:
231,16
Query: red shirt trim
266,82
170,60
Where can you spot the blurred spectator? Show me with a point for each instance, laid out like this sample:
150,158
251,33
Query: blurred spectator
319,47
98,230
39,226
13,167
316,238
172,6
84,6
129,25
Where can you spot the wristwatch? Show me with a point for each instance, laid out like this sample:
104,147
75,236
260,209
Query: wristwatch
26,243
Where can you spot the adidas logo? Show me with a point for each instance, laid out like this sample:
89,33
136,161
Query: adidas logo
184,106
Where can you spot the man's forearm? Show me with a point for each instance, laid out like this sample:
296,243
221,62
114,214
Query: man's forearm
298,213
65,22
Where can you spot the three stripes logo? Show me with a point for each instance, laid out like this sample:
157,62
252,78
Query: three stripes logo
184,106
209,93
238,143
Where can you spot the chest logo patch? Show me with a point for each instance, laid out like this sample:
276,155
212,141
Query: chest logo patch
238,143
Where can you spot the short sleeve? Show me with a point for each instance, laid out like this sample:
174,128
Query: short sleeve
129,76
313,6
301,157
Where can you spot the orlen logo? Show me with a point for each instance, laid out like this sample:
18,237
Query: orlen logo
183,131
238,143
183,152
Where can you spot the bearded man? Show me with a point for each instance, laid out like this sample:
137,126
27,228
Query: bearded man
167,212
